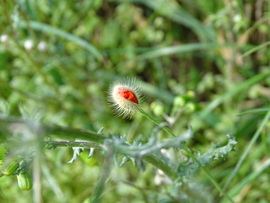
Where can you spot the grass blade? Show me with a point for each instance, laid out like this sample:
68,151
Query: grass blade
178,15
256,49
244,155
65,35
259,110
185,48
233,92
175,50
237,189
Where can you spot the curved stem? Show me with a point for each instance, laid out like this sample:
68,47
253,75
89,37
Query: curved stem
151,118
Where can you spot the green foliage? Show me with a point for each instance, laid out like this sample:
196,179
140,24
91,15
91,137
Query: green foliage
202,66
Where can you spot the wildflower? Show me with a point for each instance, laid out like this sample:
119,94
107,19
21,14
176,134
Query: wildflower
125,98
28,44
42,46
3,38
237,18
161,178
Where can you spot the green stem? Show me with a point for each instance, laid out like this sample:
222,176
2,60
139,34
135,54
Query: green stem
7,123
68,132
160,165
104,174
165,128
188,151
72,144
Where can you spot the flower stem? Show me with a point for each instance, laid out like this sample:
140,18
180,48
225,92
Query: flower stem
155,121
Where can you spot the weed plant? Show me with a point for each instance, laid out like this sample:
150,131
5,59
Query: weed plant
196,119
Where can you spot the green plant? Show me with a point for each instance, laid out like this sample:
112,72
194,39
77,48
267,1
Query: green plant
204,73
29,136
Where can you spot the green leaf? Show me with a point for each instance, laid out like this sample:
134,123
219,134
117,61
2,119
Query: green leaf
256,49
178,15
233,92
259,110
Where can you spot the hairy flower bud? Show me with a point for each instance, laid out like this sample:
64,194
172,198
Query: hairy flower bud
125,98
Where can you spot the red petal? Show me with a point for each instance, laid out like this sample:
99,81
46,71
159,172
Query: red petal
129,95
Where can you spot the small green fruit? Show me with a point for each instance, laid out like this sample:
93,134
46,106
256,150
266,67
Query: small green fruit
24,181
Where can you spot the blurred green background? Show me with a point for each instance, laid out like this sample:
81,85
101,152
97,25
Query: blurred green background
199,63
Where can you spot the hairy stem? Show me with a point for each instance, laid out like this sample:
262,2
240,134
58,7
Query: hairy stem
95,140
72,144
14,124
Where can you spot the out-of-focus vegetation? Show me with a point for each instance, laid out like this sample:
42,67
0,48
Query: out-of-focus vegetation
202,65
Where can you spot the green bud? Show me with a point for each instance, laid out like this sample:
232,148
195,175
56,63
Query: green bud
24,181
190,107
11,168
179,101
190,94
157,108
